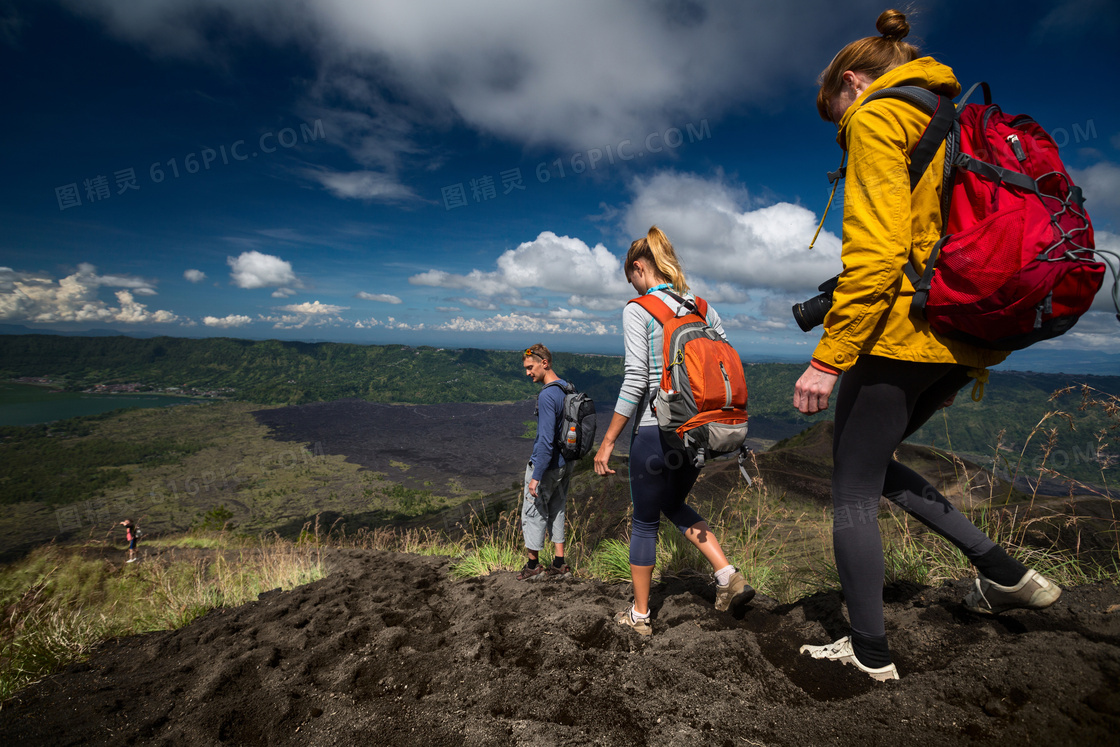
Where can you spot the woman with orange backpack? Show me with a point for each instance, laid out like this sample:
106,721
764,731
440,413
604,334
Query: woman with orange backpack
896,371
661,475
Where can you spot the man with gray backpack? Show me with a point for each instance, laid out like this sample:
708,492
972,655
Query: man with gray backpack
565,432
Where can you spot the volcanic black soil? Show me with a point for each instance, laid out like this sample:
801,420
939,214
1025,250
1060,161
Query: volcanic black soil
390,650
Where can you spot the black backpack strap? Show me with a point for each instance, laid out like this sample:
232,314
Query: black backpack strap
942,117
537,408
942,127
688,304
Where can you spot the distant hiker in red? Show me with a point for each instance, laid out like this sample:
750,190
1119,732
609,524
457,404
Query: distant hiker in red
547,475
661,474
130,535
896,371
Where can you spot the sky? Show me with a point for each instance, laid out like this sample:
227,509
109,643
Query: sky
471,174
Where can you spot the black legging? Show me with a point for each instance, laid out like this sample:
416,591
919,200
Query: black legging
880,402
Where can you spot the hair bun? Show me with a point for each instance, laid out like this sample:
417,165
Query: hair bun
892,25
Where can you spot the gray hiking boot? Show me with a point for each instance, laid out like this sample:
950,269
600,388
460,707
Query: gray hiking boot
1033,592
641,626
841,651
737,593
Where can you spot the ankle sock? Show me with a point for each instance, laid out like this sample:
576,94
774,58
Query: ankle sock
635,615
998,566
872,651
557,562
723,575
533,563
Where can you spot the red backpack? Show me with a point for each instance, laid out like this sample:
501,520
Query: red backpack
702,399
1016,262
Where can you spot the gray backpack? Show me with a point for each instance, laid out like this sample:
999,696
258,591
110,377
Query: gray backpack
577,423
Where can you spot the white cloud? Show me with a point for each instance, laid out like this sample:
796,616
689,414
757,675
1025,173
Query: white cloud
606,303
563,313
720,239
526,323
379,297
38,298
1109,242
581,73
132,312
389,323
256,270
194,276
313,308
1101,185
483,283
477,303
307,314
362,185
225,322
558,264
725,245
752,324
1094,331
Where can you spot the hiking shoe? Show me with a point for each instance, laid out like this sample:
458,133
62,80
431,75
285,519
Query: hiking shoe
641,626
555,573
528,573
1033,592
841,651
737,593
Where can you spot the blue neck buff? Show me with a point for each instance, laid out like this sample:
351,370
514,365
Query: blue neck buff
662,286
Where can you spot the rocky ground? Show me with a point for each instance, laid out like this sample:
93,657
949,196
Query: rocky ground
390,650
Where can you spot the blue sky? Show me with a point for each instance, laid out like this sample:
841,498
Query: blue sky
470,174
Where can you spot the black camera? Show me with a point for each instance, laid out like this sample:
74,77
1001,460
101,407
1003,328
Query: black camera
811,313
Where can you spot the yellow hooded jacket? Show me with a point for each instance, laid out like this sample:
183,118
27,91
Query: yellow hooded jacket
885,225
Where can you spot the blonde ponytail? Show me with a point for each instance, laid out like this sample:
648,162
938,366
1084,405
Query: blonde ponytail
656,248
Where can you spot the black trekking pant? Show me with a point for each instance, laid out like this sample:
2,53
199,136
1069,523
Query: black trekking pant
880,402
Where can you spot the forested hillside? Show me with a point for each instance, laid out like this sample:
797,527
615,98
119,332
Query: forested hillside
275,372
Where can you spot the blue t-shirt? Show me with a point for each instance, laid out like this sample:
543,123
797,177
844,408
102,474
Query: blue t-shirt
550,410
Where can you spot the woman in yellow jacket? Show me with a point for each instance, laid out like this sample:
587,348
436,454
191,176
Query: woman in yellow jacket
894,372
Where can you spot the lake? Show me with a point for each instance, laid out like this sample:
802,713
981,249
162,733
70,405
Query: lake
28,404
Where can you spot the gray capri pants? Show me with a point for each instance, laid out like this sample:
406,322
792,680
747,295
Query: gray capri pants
545,513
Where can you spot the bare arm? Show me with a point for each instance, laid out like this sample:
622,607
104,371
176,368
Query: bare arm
603,455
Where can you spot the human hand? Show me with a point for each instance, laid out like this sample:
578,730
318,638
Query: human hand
533,487
603,457
812,390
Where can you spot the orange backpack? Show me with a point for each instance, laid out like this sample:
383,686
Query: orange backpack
702,399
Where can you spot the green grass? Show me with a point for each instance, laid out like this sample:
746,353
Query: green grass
63,601
609,562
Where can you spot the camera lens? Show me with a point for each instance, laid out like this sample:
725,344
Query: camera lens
809,314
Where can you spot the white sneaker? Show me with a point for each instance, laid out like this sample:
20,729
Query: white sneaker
841,651
1033,592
